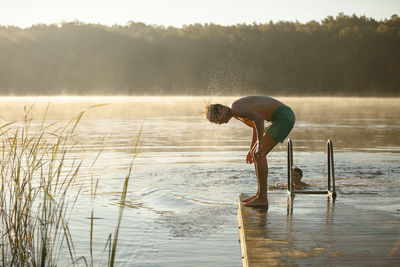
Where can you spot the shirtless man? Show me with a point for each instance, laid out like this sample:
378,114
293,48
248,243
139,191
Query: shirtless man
253,111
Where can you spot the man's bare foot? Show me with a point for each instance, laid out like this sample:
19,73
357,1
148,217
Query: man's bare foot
249,199
257,202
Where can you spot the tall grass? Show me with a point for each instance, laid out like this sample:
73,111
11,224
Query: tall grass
111,259
112,240
38,192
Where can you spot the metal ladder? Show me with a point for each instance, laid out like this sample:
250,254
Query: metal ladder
331,173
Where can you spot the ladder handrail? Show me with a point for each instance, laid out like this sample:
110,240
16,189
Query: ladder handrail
290,164
331,169
331,173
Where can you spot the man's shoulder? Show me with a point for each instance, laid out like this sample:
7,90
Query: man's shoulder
237,104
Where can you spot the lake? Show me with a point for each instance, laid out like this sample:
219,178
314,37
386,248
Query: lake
181,204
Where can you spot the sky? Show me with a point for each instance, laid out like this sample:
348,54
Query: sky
24,13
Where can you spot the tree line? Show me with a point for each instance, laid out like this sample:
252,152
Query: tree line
342,55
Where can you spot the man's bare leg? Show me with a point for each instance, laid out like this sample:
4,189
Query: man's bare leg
258,183
261,169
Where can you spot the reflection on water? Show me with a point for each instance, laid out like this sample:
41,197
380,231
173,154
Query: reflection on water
181,204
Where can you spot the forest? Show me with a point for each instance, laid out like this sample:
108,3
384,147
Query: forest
340,55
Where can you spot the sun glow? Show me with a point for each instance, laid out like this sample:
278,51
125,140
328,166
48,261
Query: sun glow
176,13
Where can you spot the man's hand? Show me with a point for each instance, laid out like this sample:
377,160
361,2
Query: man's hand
250,154
249,157
255,151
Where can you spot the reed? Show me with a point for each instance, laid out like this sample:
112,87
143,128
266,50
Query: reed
38,192
112,241
111,259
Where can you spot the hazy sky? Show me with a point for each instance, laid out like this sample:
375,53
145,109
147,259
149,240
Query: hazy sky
24,13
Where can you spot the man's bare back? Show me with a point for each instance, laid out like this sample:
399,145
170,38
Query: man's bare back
263,105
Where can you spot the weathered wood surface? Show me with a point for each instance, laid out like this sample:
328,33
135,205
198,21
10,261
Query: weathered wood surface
316,231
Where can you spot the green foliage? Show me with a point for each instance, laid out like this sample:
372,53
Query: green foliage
347,55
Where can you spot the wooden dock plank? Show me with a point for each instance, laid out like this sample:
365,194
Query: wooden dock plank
314,230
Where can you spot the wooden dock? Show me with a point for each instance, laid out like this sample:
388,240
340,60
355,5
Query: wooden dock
353,230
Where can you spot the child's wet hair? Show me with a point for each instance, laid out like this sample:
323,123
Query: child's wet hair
299,171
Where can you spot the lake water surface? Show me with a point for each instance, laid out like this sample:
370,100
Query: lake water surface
181,205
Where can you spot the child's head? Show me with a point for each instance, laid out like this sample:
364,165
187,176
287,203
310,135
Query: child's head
297,174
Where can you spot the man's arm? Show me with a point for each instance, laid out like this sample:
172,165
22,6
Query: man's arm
246,121
249,157
257,122
254,139
253,126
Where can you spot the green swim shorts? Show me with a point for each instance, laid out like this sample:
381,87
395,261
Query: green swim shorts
281,124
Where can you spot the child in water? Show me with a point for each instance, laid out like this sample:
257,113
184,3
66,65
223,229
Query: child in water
297,174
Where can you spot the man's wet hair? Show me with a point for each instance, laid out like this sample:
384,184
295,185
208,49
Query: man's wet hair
211,112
